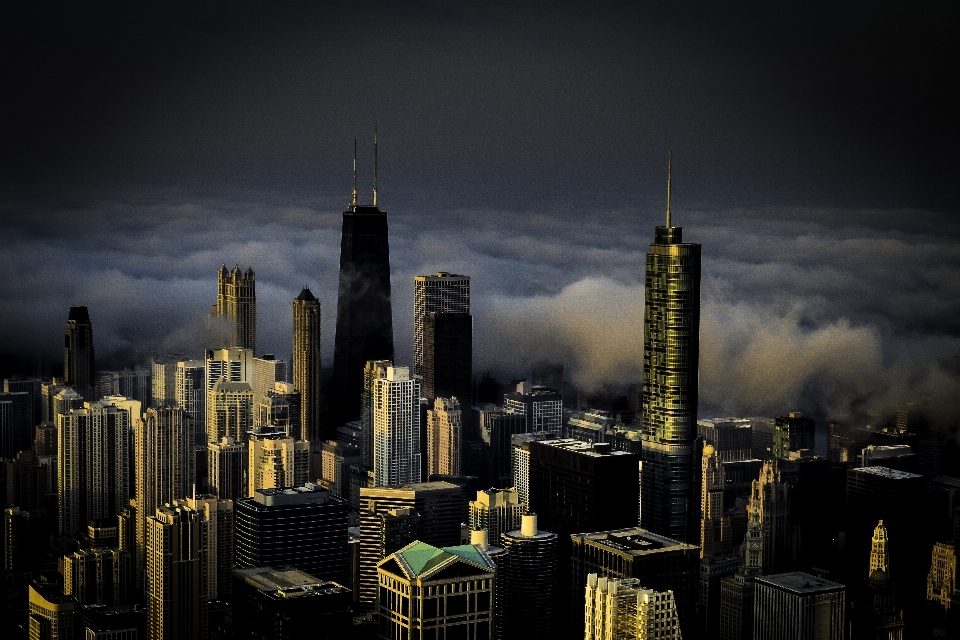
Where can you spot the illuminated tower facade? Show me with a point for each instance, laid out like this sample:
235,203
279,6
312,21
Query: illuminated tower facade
306,365
396,428
364,312
78,349
671,356
444,437
237,302
879,617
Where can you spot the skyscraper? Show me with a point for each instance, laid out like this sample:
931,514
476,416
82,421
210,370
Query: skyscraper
93,465
237,303
792,433
276,460
448,356
191,395
542,406
306,366
226,470
364,313
78,349
396,428
529,580
671,356
876,616
799,606
622,608
496,511
442,293
178,545
163,443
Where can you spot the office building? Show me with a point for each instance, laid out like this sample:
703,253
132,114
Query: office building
283,603
798,606
444,437
336,459
306,367
442,293
521,462
496,511
94,478
542,407
732,439
267,371
911,419
793,432
15,423
659,563
448,356
772,537
220,525
671,348
276,460
191,395
715,529
529,581
163,384
131,383
18,543
439,506
372,371
98,576
178,544
498,428
233,365
624,609
942,579
396,427
304,527
280,407
229,411
364,313
454,587
164,471
575,486
53,615
226,469
78,350
237,303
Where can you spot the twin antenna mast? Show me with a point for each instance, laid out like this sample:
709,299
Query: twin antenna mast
354,203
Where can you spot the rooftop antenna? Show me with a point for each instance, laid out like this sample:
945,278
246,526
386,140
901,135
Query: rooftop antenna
669,169
354,173
374,165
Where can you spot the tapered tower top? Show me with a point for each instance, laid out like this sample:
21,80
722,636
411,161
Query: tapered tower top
668,234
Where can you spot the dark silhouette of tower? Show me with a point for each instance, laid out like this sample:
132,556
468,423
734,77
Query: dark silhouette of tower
448,357
78,349
364,315
671,356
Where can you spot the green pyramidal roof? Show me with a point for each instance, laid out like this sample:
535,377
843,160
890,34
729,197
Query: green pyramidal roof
421,557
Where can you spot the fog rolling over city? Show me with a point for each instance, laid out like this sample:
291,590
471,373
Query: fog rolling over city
826,311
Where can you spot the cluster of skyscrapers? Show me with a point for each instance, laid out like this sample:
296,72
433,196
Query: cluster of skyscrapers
230,494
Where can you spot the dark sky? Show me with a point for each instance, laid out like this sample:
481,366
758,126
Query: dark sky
815,157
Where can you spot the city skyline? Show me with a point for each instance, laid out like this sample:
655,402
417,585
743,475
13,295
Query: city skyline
810,226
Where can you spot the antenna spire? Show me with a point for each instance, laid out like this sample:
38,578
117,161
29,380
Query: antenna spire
354,203
374,164
669,171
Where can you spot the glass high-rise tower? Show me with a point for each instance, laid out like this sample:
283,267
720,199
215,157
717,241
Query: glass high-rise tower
671,355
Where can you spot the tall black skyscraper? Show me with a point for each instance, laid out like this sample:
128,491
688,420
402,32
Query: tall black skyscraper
78,349
364,315
671,355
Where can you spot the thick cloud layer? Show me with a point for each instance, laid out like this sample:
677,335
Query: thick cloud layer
841,313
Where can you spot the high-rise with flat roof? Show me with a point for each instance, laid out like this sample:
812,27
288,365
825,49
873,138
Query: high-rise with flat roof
396,427
798,606
237,303
163,447
305,527
542,407
442,293
671,356
444,437
793,432
659,563
438,505
98,577
448,356
178,545
364,311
